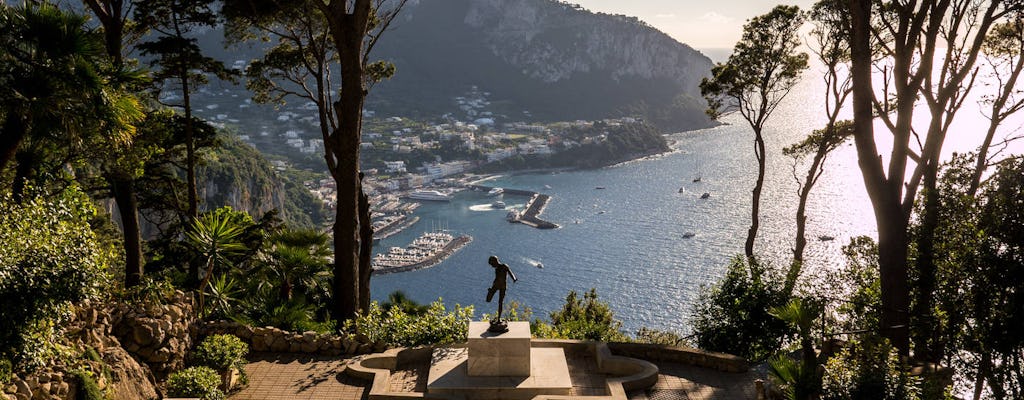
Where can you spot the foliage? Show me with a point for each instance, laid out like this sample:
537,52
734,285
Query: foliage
49,259
796,380
150,291
665,338
762,69
200,382
398,299
396,327
222,352
861,289
868,369
733,316
978,312
88,389
6,371
583,319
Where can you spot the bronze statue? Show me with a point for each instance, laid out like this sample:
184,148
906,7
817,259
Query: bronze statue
499,285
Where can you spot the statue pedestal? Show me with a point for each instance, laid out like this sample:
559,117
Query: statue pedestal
498,366
499,354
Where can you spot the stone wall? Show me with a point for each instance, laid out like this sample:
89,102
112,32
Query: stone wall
159,335
270,339
683,355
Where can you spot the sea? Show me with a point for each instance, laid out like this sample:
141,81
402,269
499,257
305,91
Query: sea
629,240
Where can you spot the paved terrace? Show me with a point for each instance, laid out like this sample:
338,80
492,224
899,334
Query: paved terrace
312,377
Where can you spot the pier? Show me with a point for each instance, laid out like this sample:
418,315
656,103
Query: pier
394,227
534,207
433,259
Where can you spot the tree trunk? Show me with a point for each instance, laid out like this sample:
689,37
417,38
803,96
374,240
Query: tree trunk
801,220
365,250
128,208
925,329
14,131
885,196
755,206
190,169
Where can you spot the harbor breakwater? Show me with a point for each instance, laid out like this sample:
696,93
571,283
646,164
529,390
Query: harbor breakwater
434,259
534,207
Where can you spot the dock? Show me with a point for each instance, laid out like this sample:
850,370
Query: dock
434,259
534,207
394,227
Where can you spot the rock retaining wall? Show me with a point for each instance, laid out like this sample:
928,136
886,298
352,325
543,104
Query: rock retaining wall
270,339
159,335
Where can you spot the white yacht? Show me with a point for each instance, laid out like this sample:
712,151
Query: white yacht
495,192
433,195
498,204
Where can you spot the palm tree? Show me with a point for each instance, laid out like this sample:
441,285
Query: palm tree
215,237
300,258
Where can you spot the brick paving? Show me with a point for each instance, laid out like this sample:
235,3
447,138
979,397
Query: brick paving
300,376
295,376
685,382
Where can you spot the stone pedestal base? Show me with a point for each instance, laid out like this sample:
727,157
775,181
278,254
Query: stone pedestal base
449,377
499,354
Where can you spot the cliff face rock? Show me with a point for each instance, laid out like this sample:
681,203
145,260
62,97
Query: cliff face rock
237,175
552,42
552,60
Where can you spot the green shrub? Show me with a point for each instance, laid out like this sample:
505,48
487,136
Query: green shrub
398,328
49,259
88,389
734,316
222,352
656,336
6,371
582,319
868,369
201,382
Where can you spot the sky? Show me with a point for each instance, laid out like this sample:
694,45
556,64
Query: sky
701,24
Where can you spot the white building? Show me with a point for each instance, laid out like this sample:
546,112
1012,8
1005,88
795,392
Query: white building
394,167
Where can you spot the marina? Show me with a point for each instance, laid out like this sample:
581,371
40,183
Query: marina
425,251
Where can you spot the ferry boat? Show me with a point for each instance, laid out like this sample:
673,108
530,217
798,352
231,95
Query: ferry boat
498,204
432,195
495,192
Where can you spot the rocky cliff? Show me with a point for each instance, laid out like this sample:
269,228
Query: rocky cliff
550,59
237,175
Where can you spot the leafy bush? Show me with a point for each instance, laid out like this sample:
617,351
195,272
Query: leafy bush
734,315
88,389
396,327
6,371
222,352
49,259
201,382
582,319
665,338
868,369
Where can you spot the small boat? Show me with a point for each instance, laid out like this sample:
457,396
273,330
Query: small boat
601,212
495,192
599,187
688,235
512,216
539,265
547,187
498,204
705,196
825,238
681,190
697,179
